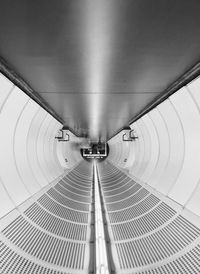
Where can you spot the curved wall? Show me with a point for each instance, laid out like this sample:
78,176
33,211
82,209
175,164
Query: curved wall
51,232
167,154
148,233
30,157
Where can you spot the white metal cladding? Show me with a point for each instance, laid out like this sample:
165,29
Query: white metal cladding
49,233
167,154
149,233
30,156
52,233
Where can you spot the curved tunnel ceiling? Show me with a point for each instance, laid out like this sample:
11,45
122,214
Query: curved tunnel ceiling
99,63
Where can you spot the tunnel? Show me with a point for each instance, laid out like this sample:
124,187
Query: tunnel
100,137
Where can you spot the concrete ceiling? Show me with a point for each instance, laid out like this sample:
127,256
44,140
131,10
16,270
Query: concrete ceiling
98,63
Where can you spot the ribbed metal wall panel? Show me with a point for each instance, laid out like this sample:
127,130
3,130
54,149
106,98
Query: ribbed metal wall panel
148,232
50,233
167,154
29,151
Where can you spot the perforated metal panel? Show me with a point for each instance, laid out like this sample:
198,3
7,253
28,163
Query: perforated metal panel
52,235
147,234
14,263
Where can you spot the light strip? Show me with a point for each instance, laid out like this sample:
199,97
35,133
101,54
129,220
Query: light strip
98,25
100,243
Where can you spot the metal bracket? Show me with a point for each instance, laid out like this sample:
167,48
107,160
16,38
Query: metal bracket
131,136
64,137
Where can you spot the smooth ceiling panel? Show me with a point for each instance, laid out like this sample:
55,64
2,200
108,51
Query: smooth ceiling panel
81,50
117,110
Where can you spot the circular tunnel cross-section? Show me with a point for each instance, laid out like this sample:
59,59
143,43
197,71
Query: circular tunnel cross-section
100,155
98,151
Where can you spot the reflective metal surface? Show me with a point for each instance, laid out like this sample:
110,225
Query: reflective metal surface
99,63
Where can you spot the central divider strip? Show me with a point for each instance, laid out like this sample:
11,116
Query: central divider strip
101,264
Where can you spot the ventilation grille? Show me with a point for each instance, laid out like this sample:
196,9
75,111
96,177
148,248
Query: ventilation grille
123,195
12,263
72,195
112,180
60,198
144,224
119,189
61,211
158,246
115,184
134,211
106,169
189,263
56,225
80,177
73,189
146,231
52,233
43,246
130,201
77,184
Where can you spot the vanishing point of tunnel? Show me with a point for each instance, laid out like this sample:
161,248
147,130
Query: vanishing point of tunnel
100,137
